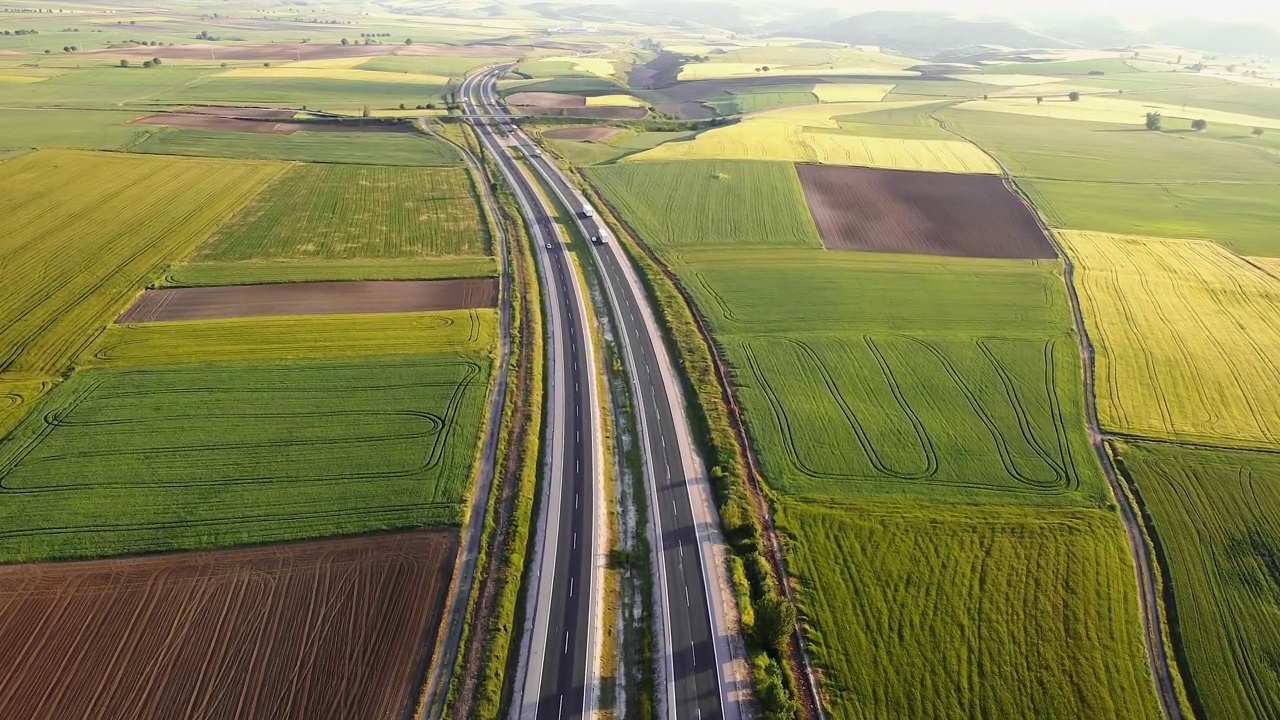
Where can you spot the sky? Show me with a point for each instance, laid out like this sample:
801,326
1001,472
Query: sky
1133,12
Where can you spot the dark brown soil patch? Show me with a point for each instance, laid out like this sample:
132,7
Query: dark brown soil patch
546,100
326,630
311,298
591,134
235,111
902,211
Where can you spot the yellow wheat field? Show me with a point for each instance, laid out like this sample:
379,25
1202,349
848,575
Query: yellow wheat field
86,231
850,92
592,65
812,134
726,70
1111,110
1187,338
616,101
335,73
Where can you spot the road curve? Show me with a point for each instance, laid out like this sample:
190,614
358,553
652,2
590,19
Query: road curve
699,652
559,662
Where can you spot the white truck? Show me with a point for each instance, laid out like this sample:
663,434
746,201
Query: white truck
587,212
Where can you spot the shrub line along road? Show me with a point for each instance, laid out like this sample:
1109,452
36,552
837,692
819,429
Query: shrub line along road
559,664
698,652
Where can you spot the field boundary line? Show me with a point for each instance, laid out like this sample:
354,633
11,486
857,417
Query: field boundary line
1167,683
448,644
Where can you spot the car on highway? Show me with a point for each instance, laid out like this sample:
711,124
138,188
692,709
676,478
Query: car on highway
548,246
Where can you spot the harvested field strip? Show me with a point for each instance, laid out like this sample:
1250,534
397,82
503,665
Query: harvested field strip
813,134
1215,516
380,148
86,231
322,298
327,630
255,272
136,460
850,92
294,338
909,212
1187,338
883,413
695,204
935,612
356,211
334,73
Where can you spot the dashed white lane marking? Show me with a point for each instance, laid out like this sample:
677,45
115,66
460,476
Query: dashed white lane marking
566,643
575,541
571,587
686,596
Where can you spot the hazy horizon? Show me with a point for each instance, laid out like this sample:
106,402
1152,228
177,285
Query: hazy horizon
1136,13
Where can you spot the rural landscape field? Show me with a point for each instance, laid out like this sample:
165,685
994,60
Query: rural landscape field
974,322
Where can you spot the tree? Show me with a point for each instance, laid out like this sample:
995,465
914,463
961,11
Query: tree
408,41
346,41
1073,96
364,112
1199,125
1039,100
764,68
146,63
266,64
66,48
775,621
402,107
124,63
1153,121
1257,132
155,61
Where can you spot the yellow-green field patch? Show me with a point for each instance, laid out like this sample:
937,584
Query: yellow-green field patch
850,92
303,337
1010,80
813,134
727,70
333,73
615,101
1113,110
930,612
591,65
1187,337
85,231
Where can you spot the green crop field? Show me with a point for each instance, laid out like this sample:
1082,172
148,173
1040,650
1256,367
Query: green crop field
698,204
1043,148
367,148
430,65
257,272
1227,96
85,129
85,231
307,337
1241,217
1216,517
325,93
356,211
895,375
101,87
126,461
1109,66
925,612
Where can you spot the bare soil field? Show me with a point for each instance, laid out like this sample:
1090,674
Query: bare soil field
311,298
297,51
231,120
232,111
324,630
903,211
546,100
603,113
591,134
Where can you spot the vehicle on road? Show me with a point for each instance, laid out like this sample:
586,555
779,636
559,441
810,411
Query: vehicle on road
600,239
587,211
548,246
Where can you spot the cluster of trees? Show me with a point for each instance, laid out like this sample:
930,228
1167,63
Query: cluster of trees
21,32
1073,96
326,22
28,10
145,43
153,62
204,35
70,48
1155,121
374,35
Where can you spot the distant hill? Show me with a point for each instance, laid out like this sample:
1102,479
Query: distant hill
1095,32
925,34
1216,36
677,14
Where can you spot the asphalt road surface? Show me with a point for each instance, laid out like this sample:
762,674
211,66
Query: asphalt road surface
560,667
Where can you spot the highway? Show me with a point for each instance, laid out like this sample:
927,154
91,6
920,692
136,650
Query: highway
560,649
696,652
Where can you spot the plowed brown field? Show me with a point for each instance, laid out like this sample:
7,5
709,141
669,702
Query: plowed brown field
920,212
311,298
593,134
327,630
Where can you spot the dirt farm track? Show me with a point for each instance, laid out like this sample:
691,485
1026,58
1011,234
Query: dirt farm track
324,630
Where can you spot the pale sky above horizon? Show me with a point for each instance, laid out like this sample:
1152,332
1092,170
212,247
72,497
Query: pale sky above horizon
1134,12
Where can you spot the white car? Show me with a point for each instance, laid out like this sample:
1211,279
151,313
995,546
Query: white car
548,246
